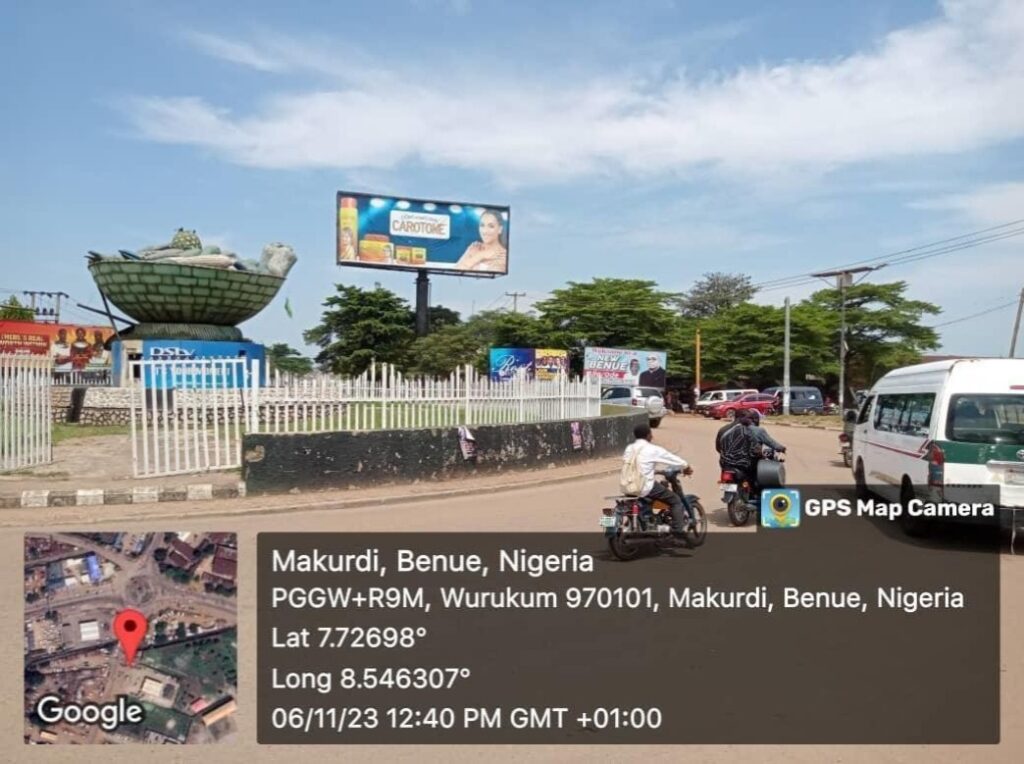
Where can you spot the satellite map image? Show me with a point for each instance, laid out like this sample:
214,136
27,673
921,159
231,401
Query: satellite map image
130,637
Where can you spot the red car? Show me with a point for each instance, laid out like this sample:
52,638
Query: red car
727,410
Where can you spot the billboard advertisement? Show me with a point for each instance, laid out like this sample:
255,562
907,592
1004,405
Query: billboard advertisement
400,233
506,363
73,347
618,366
550,362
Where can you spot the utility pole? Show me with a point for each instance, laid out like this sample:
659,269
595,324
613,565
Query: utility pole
844,280
785,365
515,299
38,311
1016,325
696,384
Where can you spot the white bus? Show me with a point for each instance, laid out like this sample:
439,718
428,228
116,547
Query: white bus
936,430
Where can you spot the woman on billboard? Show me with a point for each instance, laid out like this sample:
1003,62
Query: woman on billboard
490,253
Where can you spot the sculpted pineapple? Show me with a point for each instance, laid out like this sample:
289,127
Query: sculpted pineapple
186,240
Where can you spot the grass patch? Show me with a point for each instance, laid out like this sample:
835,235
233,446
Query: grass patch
213,660
821,420
63,431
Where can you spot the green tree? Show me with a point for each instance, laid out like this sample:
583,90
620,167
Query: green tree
444,350
439,317
13,310
715,292
288,359
360,326
883,328
609,312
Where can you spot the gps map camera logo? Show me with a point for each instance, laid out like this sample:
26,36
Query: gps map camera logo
780,508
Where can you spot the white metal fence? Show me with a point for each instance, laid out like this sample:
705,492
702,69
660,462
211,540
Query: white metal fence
189,416
25,420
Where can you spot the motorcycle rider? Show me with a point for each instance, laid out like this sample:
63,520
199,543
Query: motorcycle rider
650,456
741,444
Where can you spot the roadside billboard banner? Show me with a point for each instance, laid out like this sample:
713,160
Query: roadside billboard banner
73,347
621,366
505,363
401,233
550,362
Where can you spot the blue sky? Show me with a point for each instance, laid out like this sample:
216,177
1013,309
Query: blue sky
654,139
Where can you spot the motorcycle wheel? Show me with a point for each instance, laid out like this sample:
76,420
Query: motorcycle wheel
697,535
620,549
739,512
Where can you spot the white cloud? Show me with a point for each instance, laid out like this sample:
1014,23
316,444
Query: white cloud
946,86
234,51
991,204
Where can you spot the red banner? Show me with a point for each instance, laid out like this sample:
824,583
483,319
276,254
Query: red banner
73,347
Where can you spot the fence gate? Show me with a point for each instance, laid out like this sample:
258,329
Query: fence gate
26,423
189,415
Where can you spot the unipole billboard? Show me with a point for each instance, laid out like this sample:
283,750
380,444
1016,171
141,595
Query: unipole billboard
624,366
423,235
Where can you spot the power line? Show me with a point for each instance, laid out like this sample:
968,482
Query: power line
975,315
913,254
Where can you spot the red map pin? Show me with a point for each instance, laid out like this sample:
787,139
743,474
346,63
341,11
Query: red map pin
130,629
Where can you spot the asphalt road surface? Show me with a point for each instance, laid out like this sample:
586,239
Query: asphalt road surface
569,506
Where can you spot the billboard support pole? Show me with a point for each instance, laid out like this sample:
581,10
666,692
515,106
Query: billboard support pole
422,304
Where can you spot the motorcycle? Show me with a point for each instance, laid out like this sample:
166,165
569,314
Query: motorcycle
635,522
846,437
741,498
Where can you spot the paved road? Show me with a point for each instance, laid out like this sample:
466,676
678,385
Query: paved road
813,458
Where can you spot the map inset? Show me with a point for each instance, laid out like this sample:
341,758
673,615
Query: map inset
181,684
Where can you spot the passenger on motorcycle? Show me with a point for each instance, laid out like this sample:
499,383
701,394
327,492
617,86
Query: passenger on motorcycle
760,434
741,444
650,457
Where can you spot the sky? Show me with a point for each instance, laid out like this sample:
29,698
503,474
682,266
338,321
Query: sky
656,139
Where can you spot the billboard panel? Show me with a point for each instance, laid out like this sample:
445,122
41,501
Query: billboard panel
73,347
400,233
550,362
618,366
505,363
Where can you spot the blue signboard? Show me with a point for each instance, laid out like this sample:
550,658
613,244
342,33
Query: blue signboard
184,374
506,363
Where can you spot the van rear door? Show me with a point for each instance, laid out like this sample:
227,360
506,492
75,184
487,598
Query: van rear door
984,443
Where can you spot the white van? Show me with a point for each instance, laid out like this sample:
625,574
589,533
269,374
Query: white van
713,397
937,429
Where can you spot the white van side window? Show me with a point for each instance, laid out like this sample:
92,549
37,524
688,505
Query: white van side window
918,414
865,409
888,412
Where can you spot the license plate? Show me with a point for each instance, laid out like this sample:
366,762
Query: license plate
1015,475
728,488
608,521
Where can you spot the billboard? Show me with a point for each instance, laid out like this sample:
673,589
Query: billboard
73,347
550,362
618,366
400,233
505,363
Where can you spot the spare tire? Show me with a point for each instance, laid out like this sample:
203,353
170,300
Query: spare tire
771,474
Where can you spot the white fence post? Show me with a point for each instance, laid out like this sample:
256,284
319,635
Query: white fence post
26,419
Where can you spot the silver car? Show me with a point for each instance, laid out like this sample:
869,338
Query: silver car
648,398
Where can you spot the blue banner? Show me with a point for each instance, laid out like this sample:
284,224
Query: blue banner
413,234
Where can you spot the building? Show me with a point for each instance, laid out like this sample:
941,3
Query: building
180,555
218,713
224,567
88,631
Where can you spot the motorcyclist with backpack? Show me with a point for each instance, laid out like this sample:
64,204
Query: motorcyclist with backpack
639,462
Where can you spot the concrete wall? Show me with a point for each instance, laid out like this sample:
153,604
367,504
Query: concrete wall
274,463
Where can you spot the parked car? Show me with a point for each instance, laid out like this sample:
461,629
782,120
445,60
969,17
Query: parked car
802,400
648,398
727,410
714,397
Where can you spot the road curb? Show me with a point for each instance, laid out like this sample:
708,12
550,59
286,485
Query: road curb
827,427
194,492
138,494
